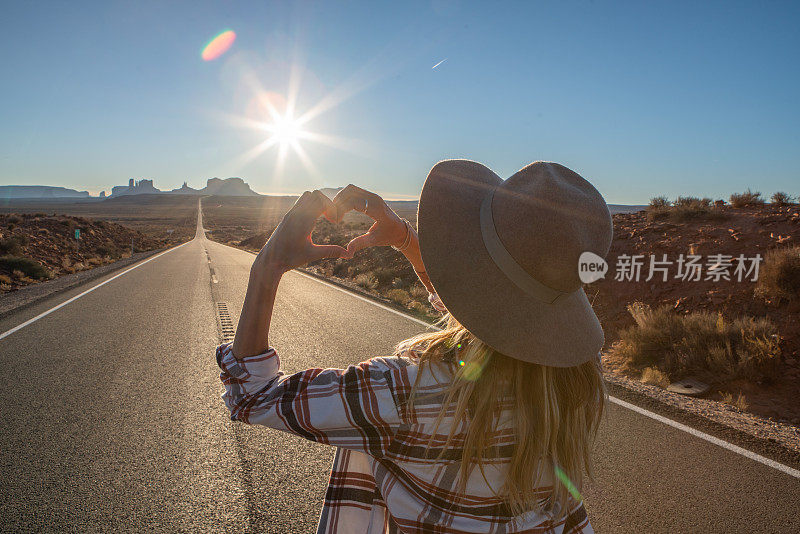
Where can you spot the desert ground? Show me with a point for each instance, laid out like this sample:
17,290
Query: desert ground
739,337
751,331
37,237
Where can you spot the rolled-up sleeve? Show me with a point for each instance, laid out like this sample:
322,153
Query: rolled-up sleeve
353,408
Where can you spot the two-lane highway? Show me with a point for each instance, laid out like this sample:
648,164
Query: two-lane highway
112,421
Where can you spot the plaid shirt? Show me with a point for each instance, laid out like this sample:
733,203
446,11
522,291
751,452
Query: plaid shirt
387,475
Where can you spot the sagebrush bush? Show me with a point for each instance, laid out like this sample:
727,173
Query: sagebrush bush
692,202
109,250
699,342
418,291
746,199
782,199
779,276
660,202
398,283
385,275
27,266
367,280
341,269
400,296
13,245
651,375
740,402
683,209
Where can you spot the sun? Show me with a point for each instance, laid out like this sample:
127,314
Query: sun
285,130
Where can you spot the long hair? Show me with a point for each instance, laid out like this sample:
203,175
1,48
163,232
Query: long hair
555,415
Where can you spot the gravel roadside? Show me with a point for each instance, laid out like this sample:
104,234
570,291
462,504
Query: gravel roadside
27,296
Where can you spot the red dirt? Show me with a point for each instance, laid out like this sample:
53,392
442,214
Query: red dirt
747,231
50,240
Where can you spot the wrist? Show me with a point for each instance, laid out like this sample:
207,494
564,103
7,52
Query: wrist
409,235
266,269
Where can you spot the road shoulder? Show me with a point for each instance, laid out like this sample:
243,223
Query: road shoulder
28,296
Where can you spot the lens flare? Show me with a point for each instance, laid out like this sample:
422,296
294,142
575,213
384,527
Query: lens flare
564,479
218,45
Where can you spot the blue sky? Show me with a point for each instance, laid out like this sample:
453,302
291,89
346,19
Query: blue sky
641,98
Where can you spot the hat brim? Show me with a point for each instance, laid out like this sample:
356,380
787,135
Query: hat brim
477,293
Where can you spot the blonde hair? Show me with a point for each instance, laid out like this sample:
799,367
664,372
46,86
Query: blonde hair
555,415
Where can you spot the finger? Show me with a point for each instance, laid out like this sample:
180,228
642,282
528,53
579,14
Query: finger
355,198
349,201
361,242
319,252
329,210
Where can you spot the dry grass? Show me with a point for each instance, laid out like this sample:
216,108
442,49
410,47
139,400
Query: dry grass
683,209
400,296
740,402
699,343
5,279
659,202
746,199
367,281
653,376
28,268
418,292
779,278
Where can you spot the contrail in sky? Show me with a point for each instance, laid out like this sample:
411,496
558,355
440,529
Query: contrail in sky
442,61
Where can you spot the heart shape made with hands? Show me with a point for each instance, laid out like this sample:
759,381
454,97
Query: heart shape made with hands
387,228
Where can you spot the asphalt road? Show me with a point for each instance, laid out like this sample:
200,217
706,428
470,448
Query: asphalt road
112,421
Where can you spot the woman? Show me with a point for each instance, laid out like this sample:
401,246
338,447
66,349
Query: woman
484,426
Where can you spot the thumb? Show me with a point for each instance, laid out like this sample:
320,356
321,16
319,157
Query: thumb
361,242
319,252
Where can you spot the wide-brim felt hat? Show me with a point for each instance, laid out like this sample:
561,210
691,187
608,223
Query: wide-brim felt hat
503,256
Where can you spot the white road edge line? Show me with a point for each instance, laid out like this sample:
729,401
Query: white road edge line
660,418
76,297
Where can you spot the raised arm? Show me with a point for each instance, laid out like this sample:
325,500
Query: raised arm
388,230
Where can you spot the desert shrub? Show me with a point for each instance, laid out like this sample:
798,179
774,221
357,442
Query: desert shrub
367,280
746,199
740,402
94,260
779,276
5,279
699,342
341,269
660,202
26,266
684,209
385,275
13,219
692,202
781,199
13,245
43,231
399,296
108,249
651,375
398,283
418,306
418,291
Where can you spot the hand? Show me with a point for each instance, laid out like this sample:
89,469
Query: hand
388,229
290,244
